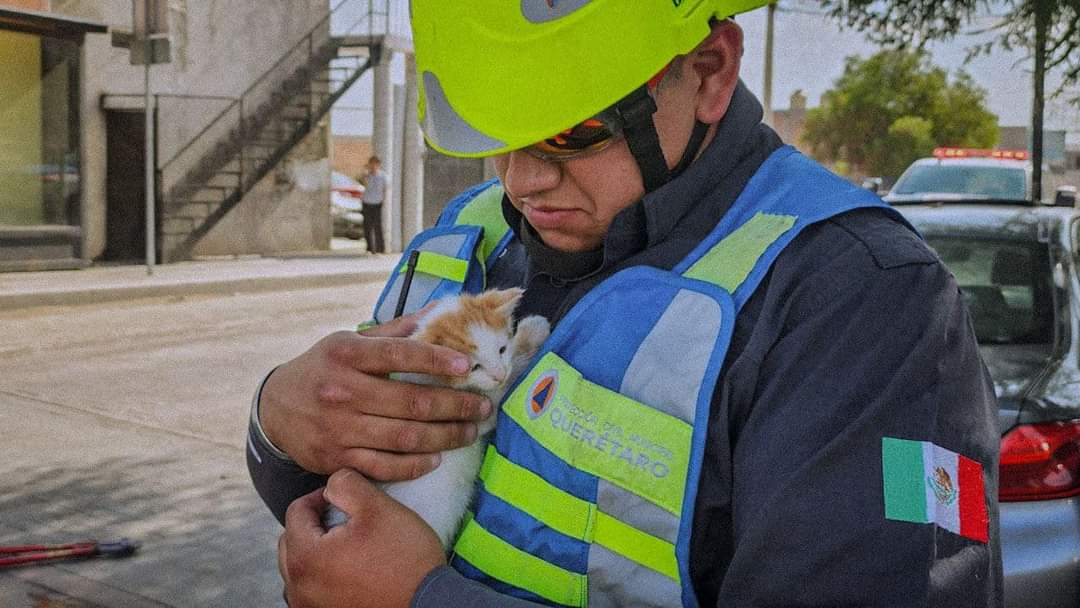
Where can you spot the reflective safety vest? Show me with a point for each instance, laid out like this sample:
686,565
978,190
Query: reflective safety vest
587,490
453,255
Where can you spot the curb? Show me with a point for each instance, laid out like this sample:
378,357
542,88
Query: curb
100,295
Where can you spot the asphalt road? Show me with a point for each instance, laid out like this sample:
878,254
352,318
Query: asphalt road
128,420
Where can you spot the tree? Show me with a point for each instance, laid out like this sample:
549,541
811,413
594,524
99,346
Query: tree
1048,29
888,110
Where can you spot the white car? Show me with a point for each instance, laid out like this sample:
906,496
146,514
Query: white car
346,200
962,174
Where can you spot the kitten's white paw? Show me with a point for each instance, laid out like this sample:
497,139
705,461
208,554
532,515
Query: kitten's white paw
531,333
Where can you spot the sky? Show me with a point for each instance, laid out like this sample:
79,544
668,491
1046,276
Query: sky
810,50
809,53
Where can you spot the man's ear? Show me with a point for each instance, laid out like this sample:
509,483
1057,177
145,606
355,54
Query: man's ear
716,61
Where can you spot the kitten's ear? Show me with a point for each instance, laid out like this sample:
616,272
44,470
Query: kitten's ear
504,300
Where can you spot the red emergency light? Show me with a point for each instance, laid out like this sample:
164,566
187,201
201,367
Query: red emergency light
980,153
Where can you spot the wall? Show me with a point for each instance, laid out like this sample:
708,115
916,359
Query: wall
219,48
32,5
288,211
444,178
351,154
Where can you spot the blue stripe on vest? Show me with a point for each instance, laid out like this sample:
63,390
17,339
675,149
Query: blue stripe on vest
467,570
518,447
628,319
525,531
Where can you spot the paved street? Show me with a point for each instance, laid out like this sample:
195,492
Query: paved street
127,419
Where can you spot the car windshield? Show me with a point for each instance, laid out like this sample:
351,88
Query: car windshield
1007,287
1002,183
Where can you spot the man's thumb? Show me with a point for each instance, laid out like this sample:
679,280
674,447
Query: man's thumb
354,495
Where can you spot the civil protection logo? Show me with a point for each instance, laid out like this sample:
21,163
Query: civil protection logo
541,394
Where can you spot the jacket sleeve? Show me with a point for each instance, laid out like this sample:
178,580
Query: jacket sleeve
860,356
444,587
276,477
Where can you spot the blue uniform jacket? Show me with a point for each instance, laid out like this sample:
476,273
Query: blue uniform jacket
858,331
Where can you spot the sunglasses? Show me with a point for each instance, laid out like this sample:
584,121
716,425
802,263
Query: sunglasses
590,136
583,139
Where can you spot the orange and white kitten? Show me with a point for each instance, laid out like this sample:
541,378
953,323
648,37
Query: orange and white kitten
480,326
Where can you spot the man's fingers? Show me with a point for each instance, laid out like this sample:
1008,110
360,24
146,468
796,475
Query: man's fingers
303,521
400,327
407,436
387,466
407,401
386,355
281,548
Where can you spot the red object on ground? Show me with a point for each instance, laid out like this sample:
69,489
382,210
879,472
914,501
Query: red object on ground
20,555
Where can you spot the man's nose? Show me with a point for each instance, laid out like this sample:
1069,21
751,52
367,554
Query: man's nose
528,176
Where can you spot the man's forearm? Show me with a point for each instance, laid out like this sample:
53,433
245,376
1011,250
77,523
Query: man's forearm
276,477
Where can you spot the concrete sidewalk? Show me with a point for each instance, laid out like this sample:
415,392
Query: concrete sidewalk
98,284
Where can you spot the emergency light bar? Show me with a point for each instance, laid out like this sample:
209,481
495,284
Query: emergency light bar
980,153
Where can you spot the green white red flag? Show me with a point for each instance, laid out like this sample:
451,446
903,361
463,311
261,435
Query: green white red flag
925,483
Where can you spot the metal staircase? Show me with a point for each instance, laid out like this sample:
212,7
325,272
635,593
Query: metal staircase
209,175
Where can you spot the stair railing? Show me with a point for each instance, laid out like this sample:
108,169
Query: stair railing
221,140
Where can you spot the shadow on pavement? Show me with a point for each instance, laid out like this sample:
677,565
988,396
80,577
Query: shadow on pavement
206,538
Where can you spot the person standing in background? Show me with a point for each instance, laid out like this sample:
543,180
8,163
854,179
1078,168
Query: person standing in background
374,194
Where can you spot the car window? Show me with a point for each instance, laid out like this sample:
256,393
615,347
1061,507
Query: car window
991,182
1007,286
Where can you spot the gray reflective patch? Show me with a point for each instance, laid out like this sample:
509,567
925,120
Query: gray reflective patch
669,366
636,511
423,284
447,128
542,11
616,581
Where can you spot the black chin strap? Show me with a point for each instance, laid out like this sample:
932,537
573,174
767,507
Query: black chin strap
636,111
692,148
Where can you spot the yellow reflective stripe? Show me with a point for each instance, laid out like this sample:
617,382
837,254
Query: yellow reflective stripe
637,546
560,511
511,565
576,518
731,260
439,265
606,434
486,210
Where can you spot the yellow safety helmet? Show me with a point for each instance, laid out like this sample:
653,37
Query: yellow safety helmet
499,75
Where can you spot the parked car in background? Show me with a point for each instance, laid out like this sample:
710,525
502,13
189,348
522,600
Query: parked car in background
346,196
963,174
1017,269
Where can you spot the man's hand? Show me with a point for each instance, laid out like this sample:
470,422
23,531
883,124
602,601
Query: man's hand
377,558
333,407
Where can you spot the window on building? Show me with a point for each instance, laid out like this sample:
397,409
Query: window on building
39,149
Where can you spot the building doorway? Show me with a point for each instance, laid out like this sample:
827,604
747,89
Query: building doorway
125,186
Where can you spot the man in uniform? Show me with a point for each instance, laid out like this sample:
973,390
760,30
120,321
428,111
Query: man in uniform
762,388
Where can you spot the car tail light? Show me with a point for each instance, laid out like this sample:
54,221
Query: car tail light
1040,461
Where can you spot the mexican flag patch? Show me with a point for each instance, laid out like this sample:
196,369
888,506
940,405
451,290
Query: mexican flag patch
925,483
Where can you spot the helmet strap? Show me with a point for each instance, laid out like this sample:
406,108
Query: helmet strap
692,147
636,111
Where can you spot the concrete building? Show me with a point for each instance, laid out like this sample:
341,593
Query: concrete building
789,123
242,148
